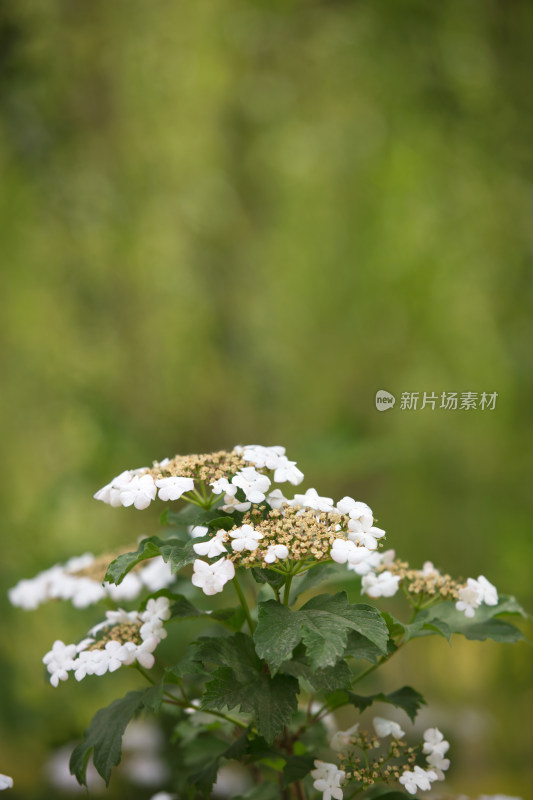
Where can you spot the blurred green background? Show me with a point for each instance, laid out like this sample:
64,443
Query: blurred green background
231,222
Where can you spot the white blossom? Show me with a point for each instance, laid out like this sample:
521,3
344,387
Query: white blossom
139,492
111,492
489,593
367,537
383,585
213,547
344,550
268,457
196,531
418,779
253,484
438,764
173,488
212,577
276,499
386,727
327,778
470,597
59,661
366,561
245,538
434,742
288,471
232,503
158,607
341,740
360,514
276,551
311,499
5,782
223,485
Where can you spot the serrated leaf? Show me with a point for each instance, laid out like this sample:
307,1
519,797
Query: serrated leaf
241,682
296,768
174,550
271,701
328,679
322,625
192,515
190,663
405,698
103,737
206,777
486,623
183,608
359,647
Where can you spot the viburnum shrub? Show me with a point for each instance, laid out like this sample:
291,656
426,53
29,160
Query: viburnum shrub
271,665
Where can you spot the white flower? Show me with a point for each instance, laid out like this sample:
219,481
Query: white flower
158,607
367,537
383,585
366,561
153,627
111,492
386,727
213,547
164,796
341,740
212,577
418,779
269,457
438,764
196,531
139,492
156,575
344,550
428,570
231,503
470,597
276,551
59,661
253,484
360,514
5,782
173,488
288,471
223,485
434,742
276,499
115,654
489,593
311,499
327,778
245,538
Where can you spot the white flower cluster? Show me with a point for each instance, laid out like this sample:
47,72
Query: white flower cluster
386,727
5,782
359,550
136,487
61,582
272,458
86,659
327,779
435,746
474,593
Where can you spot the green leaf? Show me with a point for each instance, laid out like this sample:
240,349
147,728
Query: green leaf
190,664
270,576
104,734
486,623
182,608
328,679
322,625
174,550
241,682
405,698
206,777
361,648
319,574
193,515
296,768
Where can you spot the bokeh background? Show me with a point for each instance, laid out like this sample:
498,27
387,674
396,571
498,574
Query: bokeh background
233,221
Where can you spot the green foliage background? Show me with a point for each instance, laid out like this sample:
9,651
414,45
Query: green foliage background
233,221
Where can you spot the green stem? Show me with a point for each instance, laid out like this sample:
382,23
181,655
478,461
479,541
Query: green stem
244,604
287,591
